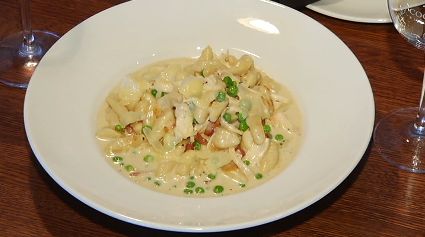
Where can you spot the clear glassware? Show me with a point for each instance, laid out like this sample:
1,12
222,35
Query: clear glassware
20,53
400,136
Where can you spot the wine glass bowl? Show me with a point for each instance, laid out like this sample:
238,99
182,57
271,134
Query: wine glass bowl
400,136
408,17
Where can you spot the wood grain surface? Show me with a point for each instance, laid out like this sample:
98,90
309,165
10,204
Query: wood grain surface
377,199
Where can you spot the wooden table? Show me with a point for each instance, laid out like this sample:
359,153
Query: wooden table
377,199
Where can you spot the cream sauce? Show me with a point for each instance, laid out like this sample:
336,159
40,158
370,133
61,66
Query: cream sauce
183,173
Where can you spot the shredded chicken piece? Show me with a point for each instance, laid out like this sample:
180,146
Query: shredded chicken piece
184,120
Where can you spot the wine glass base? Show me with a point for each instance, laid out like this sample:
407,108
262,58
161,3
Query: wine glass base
16,66
398,143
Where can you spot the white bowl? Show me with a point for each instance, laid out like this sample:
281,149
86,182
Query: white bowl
74,77
366,11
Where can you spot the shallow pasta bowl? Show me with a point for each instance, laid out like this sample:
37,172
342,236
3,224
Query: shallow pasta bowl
72,80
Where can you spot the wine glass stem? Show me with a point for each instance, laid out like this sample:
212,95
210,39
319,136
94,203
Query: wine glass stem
28,46
419,124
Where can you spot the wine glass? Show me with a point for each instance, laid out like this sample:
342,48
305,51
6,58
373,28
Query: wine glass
400,136
20,53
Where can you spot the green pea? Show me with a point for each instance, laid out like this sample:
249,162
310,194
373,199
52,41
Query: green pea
258,176
246,162
117,159
243,126
119,128
199,190
267,128
228,81
188,191
211,176
218,189
279,137
129,168
241,116
190,184
154,92
146,126
148,158
233,90
197,145
227,117
221,96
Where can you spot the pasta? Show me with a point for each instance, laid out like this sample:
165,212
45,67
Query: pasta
201,127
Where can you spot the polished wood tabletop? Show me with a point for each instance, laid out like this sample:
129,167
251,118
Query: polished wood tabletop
377,199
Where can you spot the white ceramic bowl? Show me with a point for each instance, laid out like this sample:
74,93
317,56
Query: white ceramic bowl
74,77
366,11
